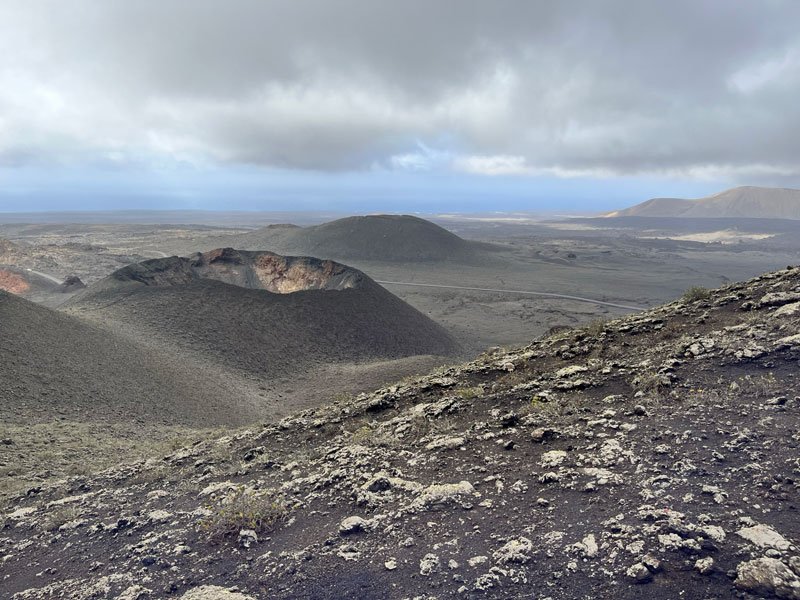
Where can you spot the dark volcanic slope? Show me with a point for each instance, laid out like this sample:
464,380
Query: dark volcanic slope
742,202
53,365
261,313
656,456
387,238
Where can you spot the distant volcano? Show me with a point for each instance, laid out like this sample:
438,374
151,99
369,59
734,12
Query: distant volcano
383,238
262,313
741,202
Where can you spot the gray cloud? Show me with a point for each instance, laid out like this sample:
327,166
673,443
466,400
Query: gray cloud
695,87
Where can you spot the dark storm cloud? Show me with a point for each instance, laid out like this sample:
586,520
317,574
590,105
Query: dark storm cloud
593,87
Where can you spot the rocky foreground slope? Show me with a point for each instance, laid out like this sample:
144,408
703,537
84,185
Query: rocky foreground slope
654,456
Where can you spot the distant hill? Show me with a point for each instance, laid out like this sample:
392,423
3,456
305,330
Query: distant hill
741,202
383,238
261,313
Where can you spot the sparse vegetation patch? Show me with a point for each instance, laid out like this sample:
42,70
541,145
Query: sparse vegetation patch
244,509
696,293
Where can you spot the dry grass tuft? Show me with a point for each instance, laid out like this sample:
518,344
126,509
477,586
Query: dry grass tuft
244,509
696,293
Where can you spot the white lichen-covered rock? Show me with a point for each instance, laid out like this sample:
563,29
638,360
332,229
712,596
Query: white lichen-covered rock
768,577
352,525
553,458
514,551
477,560
442,493
603,476
779,298
159,515
214,592
612,452
672,541
704,566
587,547
571,370
639,573
764,536
446,443
714,532
788,310
429,564
790,341
134,592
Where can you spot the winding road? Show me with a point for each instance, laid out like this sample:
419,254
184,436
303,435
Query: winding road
524,292
45,275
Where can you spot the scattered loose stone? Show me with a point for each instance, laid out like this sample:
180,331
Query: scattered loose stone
443,493
429,564
214,592
247,538
514,551
764,536
704,566
352,525
639,573
768,577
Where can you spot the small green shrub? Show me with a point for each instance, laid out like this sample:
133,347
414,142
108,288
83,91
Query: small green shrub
541,405
420,427
469,393
695,293
343,398
595,328
60,516
761,386
244,509
362,435
649,382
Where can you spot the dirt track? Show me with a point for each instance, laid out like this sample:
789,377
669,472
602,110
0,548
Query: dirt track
513,292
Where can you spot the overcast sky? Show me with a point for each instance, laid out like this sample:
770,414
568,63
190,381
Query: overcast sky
394,105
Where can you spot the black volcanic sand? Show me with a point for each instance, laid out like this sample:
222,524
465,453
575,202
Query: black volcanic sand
56,365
